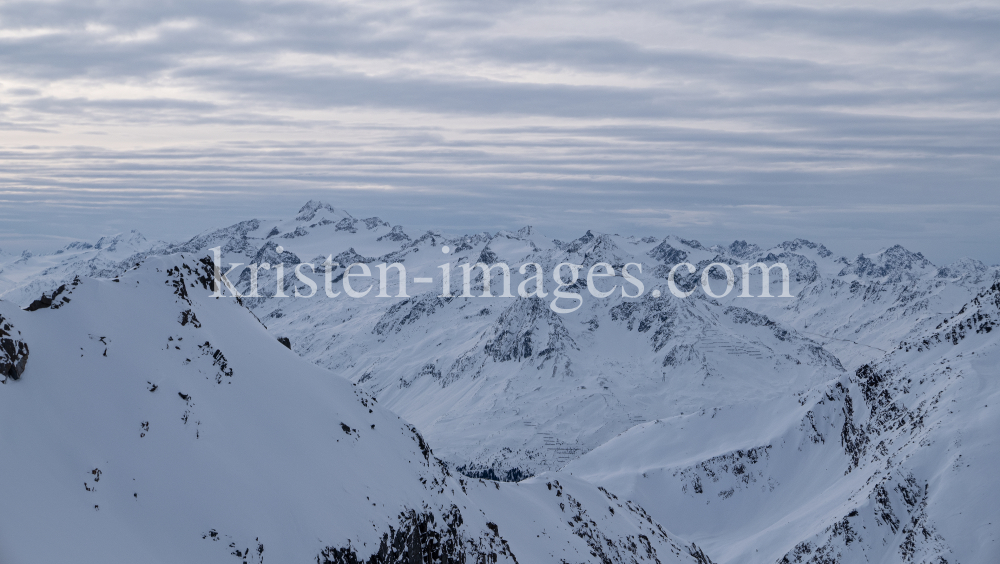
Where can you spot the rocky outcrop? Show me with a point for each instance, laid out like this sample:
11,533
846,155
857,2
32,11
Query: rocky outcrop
13,352
396,234
667,254
53,300
418,538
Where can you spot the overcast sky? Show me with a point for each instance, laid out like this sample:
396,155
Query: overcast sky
855,124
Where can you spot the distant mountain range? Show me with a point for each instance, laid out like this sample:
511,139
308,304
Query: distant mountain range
852,422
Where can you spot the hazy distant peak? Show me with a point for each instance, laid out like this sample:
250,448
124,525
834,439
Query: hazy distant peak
375,222
744,250
576,244
313,207
396,234
79,246
133,240
694,244
895,260
964,266
667,254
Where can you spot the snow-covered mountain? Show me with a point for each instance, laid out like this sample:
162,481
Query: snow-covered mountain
505,386
148,422
24,277
891,464
764,429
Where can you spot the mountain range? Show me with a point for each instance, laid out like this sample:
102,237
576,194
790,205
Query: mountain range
851,422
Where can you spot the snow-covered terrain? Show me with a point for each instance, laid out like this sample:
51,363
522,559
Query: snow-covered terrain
152,423
822,427
894,463
25,276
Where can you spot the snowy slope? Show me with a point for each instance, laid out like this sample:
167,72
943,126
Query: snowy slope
894,464
153,423
859,309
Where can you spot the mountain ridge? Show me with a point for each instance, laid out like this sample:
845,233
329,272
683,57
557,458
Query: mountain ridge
795,396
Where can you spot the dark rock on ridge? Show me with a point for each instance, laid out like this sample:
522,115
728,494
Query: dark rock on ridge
13,352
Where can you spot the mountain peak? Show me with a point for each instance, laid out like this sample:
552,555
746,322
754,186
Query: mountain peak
79,245
962,267
797,244
396,234
133,240
576,244
667,254
895,261
313,207
743,249
692,243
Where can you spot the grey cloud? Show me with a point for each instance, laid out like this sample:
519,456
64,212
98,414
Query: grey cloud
470,117
871,25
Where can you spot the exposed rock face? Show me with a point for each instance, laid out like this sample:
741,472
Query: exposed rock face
396,234
894,263
667,254
53,301
13,352
420,538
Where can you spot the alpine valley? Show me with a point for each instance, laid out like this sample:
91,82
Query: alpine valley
143,420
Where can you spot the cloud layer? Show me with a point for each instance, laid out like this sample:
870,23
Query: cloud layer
856,124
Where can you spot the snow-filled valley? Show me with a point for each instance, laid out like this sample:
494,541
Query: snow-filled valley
142,419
